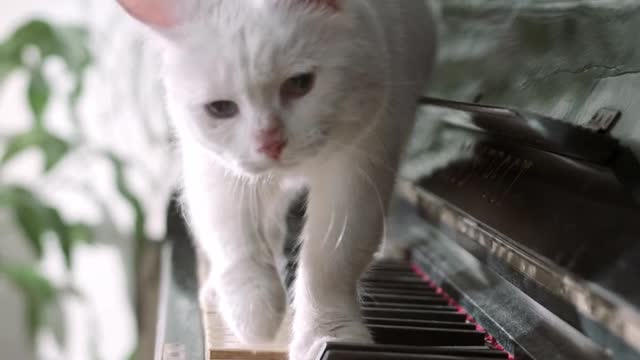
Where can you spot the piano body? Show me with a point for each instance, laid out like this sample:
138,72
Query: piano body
519,200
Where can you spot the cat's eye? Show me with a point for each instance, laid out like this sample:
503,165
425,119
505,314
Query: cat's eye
297,86
223,109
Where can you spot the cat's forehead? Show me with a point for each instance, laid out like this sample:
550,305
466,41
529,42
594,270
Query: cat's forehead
226,63
254,46
246,48
252,40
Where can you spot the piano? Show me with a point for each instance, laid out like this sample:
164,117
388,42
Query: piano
518,205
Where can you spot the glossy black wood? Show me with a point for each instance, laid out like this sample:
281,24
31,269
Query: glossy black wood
575,214
335,350
421,336
420,323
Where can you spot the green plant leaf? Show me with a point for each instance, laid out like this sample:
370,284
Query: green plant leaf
7,65
67,42
81,233
36,218
36,33
70,43
6,197
68,235
38,292
53,147
63,233
19,143
38,95
74,40
30,214
127,194
33,224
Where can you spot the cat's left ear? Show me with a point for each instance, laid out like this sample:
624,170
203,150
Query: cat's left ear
158,14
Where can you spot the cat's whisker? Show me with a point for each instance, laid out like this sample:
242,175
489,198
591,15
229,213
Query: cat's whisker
329,228
379,198
342,232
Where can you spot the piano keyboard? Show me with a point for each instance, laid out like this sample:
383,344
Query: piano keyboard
223,345
408,317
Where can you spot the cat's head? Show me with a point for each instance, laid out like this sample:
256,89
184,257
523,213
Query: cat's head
263,85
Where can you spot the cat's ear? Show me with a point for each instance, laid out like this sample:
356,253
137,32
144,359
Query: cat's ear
159,14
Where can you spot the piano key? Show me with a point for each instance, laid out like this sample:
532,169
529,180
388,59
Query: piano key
377,270
401,279
481,352
407,306
348,355
412,285
383,274
426,291
391,264
406,335
419,323
398,280
374,296
413,314
246,355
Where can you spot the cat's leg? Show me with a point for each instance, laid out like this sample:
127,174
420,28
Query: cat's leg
276,205
398,238
243,281
347,201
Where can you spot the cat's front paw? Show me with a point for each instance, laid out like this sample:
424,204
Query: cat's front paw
252,301
308,343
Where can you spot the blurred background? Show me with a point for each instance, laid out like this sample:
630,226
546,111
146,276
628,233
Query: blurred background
85,176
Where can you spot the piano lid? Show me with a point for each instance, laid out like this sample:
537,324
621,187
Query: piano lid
562,59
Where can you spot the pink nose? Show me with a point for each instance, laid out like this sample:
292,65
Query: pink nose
271,142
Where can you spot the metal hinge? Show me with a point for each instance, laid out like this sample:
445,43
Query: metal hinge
603,120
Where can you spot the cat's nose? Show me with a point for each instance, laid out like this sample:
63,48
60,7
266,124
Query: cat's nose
271,142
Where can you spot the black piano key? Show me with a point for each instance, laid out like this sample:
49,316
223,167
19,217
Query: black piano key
426,291
419,323
374,304
401,279
396,273
377,270
348,355
413,314
375,296
399,284
405,335
391,264
479,352
412,285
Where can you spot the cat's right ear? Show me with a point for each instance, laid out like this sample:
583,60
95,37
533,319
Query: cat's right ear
158,14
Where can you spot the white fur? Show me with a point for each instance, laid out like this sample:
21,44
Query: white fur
371,59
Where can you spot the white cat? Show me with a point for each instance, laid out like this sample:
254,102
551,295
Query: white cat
271,96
